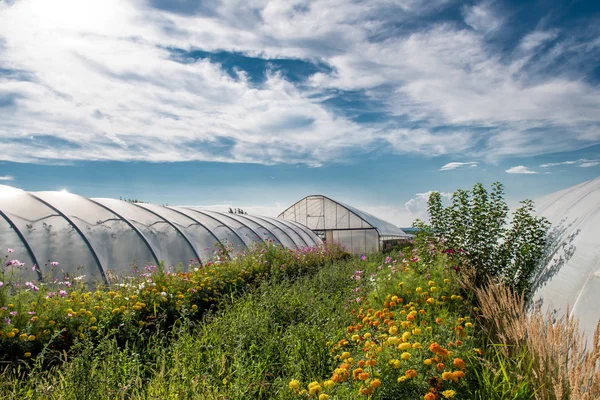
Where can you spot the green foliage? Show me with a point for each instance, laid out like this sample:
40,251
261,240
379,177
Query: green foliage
475,229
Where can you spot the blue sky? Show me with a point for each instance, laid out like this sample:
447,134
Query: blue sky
256,104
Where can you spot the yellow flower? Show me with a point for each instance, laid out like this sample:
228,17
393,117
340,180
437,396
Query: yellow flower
393,330
468,325
448,393
431,283
34,318
427,361
355,338
416,331
23,336
447,376
31,338
393,340
329,384
94,328
93,320
402,379
405,356
345,355
405,336
417,345
395,363
294,384
404,346
323,396
10,334
27,354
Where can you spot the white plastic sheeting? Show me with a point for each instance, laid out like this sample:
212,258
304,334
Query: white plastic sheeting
570,278
359,232
92,237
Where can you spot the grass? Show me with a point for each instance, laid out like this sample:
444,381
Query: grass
304,325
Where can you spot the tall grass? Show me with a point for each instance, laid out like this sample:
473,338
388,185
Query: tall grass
248,347
553,356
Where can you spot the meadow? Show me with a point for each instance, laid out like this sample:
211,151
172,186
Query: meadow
277,324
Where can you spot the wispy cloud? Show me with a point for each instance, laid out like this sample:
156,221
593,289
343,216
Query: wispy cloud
102,77
6,178
582,163
520,169
455,165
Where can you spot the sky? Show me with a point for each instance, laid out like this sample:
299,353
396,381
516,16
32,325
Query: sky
257,104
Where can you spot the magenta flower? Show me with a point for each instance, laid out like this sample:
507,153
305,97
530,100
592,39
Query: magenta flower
1,283
62,293
11,250
363,257
54,264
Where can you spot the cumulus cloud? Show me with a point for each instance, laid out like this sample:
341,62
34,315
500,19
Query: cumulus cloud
455,165
520,169
7,178
417,206
582,163
98,80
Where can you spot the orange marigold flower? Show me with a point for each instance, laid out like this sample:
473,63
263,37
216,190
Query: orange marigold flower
366,390
363,376
356,372
411,373
361,363
458,375
438,320
440,366
458,363
429,396
375,383
371,362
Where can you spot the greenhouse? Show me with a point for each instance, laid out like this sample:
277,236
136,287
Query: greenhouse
99,237
358,231
570,278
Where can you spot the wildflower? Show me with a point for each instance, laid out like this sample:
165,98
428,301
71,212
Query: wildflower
314,388
411,373
1,283
458,363
429,396
366,391
395,363
323,396
329,384
456,375
405,356
10,335
404,346
402,378
294,384
27,354
10,250
448,393
62,293
427,361
363,376
447,376
468,325
375,383
54,264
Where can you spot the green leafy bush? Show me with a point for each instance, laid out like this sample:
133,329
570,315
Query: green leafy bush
474,229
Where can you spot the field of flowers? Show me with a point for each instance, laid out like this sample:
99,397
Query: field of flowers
151,299
276,324
411,337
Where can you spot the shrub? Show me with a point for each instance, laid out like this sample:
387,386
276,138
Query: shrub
474,230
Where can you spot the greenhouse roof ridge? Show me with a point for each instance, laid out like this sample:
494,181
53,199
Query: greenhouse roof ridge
384,228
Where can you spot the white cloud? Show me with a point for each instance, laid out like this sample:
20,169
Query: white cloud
582,163
482,17
455,165
102,82
520,169
6,178
417,206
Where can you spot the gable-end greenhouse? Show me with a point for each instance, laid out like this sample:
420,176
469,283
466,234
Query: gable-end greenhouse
96,237
359,232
